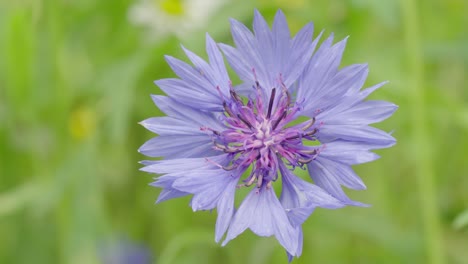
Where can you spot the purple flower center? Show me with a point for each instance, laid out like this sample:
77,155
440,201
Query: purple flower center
256,135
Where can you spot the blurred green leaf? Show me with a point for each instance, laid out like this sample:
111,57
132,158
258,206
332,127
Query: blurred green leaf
461,220
21,197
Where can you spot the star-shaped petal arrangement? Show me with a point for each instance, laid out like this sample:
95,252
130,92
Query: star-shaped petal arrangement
295,109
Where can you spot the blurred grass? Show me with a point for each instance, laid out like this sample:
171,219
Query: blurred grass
75,78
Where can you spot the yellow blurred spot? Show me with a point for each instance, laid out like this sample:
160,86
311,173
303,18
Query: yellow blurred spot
172,7
82,122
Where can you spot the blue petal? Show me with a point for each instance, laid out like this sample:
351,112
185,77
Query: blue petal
264,39
300,198
211,186
343,104
181,146
225,209
171,126
247,48
360,133
281,36
203,81
363,113
206,185
331,91
217,64
184,164
275,58
349,153
214,75
191,76
187,114
299,245
263,214
343,173
204,69
300,52
323,177
323,65
168,192
184,92
238,63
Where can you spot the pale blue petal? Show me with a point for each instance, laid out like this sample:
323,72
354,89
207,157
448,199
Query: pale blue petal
180,146
319,69
191,76
299,198
344,174
217,64
207,186
323,177
171,126
204,69
184,164
186,113
263,214
281,36
203,81
364,113
348,153
247,47
339,85
299,245
184,92
321,80
264,39
359,133
345,103
300,52
168,192
225,210
238,63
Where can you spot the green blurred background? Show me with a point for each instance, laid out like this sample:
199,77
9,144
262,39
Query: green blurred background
75,78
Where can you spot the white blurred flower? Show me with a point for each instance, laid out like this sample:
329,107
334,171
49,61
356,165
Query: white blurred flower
179,17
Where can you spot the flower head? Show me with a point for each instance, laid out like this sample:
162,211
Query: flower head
293,110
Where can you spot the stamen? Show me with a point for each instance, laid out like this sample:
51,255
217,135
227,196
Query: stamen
203,128
259,181
226,149
230,167
213,162
270,105
244,121
235,96
288,96
249,183
310,133
227,109
277,121
305,161
309,152
220,93
255,137
254,74
308,125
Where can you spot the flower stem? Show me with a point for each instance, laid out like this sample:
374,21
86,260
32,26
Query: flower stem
420,134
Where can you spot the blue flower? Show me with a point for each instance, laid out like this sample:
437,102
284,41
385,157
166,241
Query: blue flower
215,133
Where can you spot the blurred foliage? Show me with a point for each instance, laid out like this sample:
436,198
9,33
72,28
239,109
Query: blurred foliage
75,78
